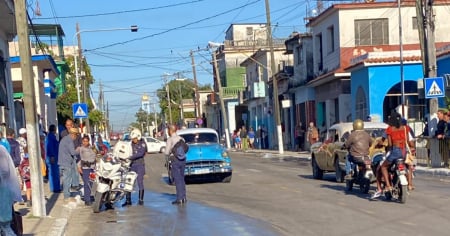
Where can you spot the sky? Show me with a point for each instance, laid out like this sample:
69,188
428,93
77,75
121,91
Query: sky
130,64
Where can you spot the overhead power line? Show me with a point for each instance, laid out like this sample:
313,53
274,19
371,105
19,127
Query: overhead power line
122,12
176,28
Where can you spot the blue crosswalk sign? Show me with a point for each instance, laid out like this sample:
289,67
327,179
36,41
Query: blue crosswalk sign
80,110
434,87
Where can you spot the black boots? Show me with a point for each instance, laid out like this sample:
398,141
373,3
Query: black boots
141,197
128,200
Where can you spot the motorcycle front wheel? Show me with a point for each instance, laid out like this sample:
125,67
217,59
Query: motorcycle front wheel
364,186
97,202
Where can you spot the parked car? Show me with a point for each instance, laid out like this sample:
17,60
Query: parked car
114,136
328,156
206,158
154,145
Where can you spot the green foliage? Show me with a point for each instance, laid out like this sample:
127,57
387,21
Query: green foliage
65,101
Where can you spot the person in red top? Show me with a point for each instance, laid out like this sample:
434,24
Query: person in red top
101,147
397,135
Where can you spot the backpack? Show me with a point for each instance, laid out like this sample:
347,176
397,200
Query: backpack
180,149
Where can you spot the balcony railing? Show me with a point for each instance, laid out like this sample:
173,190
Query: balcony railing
232,92
253,43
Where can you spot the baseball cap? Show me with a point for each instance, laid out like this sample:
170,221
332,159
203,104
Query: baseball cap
22,131
73,130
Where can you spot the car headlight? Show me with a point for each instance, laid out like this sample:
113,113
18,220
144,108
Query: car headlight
225,154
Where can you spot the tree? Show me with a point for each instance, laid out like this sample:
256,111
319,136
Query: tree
64,102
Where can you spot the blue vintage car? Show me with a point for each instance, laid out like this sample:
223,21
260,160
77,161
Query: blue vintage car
206,158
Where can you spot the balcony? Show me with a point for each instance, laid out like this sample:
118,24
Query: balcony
258,43
232,92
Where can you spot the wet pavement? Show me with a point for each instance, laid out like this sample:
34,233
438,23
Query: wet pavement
159,217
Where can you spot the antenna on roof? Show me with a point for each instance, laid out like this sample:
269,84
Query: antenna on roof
37,10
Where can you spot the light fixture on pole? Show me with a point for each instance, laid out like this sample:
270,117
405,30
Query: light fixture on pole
76,55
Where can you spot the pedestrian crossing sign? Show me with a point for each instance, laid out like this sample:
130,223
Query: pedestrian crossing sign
79,110
434,87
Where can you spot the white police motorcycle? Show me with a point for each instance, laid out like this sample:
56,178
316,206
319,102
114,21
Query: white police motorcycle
113,178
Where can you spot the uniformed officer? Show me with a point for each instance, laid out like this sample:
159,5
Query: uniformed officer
139,148
177,167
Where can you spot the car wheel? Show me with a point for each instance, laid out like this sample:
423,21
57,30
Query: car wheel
340,175
162,150
317,172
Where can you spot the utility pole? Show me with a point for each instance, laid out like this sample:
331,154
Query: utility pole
276,105
197,98
222,103
426,27
83,76
168,98
30,109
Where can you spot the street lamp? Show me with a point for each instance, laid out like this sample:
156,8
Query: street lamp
133,28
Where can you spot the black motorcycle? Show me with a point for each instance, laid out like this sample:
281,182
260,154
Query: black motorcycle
362,175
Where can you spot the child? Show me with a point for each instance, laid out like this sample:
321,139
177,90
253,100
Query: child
24,169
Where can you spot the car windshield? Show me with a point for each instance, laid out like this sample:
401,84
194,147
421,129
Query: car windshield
200,138
373,132
126,137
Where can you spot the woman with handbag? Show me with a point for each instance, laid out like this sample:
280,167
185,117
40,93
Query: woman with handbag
9,191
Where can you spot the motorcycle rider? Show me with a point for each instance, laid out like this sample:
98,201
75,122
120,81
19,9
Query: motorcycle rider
358,143
139,148
397,137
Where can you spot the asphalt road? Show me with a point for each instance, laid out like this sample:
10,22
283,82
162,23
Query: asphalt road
270,196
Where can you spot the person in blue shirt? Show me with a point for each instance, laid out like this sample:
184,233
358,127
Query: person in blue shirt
3,141
51,151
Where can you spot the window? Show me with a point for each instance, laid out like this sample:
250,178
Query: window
320,52
299,55
361,104
330,39
371,32
414,23
249,31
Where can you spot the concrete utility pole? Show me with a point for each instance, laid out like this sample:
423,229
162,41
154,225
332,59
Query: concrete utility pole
168,97
222,103
276,105
84,84
30,109
197,98
425,25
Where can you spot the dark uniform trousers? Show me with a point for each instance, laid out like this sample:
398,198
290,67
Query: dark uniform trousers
87,184
140,171
178,177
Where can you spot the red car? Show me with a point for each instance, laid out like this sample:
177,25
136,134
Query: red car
114,137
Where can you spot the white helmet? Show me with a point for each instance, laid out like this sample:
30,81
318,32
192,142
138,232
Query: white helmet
135,133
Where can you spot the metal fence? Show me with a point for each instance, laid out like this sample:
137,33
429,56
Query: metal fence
433,152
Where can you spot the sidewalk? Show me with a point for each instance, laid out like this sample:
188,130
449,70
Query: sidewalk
55,222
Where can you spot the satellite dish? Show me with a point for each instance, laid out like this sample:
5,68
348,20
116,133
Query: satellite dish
314,12
369,1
